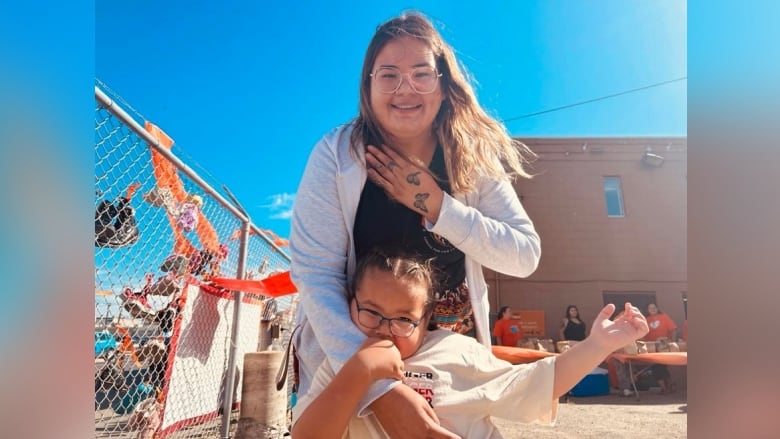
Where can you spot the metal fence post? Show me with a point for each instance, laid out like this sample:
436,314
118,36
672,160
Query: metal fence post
227,401
141,307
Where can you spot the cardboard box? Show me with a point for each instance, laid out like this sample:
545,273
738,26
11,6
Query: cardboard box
532,322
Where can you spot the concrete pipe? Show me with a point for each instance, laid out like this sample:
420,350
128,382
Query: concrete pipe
263,408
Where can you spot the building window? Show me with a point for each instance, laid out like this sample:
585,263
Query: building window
614,197
639,299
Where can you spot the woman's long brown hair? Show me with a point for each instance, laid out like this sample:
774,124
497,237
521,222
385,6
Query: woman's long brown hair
475,145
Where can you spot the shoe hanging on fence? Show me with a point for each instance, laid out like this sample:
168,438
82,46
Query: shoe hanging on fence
166,285
110,375
176,264
214,268
211,263
153,351
166,317
161,197
115,224
200,261
136,303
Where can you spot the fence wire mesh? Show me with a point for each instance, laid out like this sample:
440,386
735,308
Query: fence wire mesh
150,315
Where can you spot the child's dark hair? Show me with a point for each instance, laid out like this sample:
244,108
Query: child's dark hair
501,312
402,266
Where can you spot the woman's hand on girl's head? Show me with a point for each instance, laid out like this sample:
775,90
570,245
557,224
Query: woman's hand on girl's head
630,325
405,182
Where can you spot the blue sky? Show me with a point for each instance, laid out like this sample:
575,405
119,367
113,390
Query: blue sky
246,89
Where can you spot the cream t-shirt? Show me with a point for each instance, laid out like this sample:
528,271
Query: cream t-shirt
465,384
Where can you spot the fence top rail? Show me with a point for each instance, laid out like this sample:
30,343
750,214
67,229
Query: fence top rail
114,108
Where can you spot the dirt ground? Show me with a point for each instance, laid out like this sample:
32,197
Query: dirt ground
654,416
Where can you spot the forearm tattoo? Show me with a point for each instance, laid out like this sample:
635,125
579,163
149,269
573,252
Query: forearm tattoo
413,178
419,201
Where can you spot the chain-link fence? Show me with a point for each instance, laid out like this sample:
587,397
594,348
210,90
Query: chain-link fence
166,343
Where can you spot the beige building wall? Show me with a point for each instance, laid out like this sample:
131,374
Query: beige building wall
585,253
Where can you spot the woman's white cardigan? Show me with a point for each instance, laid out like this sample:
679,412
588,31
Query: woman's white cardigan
489,226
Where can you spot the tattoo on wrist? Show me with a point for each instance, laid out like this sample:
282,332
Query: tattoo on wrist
419,201
413,178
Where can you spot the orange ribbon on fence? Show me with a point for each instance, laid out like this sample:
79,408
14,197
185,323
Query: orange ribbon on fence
127,345
273,286
167,177
280,242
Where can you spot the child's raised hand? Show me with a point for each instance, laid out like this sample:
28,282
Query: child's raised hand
381,359
630,325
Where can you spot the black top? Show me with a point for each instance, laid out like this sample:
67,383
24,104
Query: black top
574,331
385,224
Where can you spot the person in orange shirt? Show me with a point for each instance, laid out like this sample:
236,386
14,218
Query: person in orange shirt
661,325
507,330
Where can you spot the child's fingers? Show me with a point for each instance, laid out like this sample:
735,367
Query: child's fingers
640,323
631,311
604,314
635,318
400,373
397,370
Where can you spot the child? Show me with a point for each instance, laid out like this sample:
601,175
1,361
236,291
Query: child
391,302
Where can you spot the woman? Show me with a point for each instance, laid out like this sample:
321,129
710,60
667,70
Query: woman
507,330
572,328
661,326
423,167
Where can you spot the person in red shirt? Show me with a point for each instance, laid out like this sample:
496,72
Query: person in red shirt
661,325
507,330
